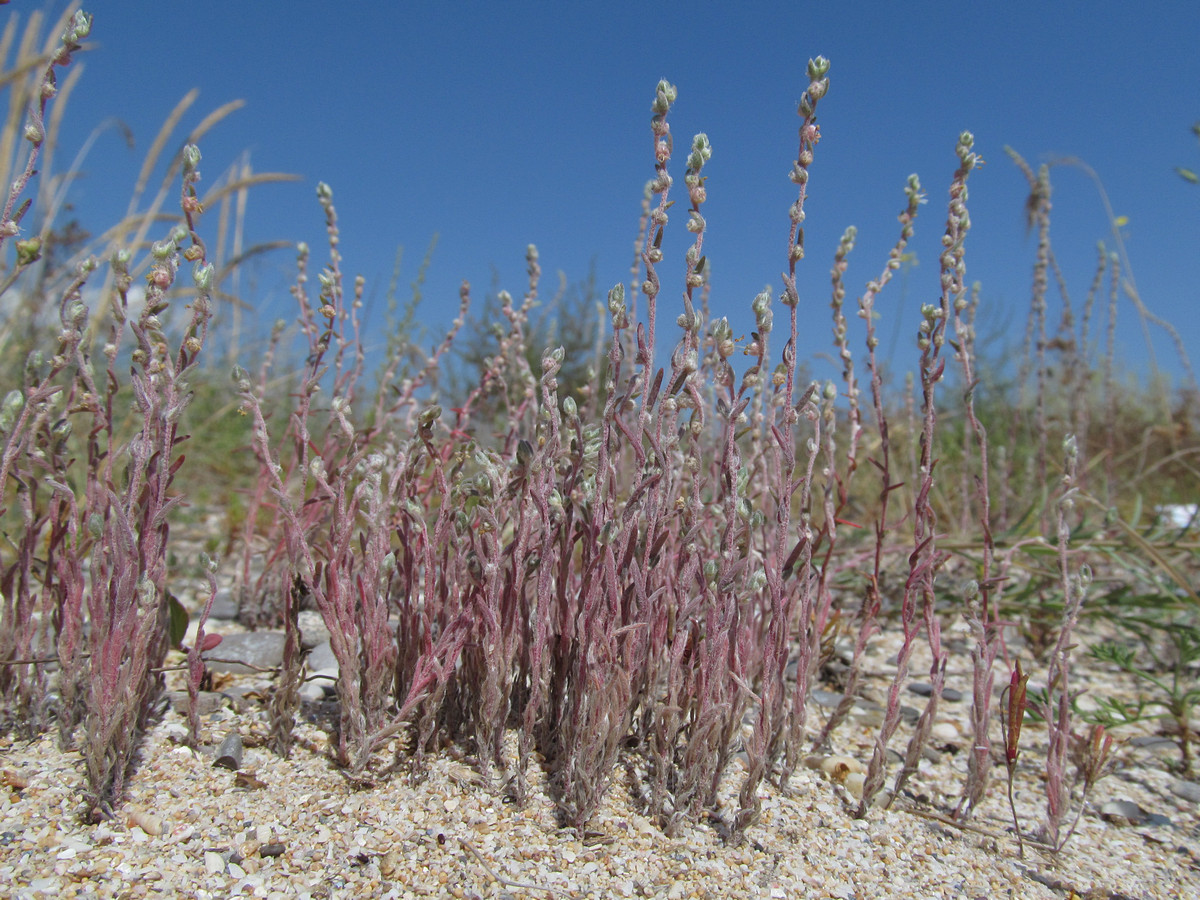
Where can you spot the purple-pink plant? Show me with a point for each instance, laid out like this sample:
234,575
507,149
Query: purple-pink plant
926,559
1056,708
629,571
872,603
127,606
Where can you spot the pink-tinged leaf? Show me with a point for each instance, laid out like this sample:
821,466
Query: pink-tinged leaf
210,642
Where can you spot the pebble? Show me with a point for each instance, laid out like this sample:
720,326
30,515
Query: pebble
262,649
1123,812
854,784
224,607
322,672
944,731
207,702
826,699
1188,790
213,863
229,754
313,631
924,689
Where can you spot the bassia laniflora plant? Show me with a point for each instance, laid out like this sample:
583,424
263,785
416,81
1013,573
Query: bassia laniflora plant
109,671
655,569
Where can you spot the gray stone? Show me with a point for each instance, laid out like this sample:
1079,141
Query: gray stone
1152,742
870,716
252,651
322,673
229,754
1188,790
1123,812
923,689
827,699
313,632
224,606
207,702
322,659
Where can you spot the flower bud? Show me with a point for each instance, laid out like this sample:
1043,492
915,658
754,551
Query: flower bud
202,275
191,157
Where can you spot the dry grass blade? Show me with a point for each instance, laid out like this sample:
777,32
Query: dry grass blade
1181,581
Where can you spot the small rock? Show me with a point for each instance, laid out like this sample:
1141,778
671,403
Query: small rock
322,673
854,784
313,691
944,731
313,631
224,606
1188,790
1123,812
867,712
257,649
213,863
909,715
321,659
207,702
868,718
1152,742
826,699
389,863
923,689
229,754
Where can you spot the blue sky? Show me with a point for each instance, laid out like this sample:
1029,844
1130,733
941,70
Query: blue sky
496,125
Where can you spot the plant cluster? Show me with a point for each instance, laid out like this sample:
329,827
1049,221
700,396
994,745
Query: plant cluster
655,568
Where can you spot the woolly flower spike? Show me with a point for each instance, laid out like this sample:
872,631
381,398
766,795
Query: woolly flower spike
701,153
202,275
966,141
664,96
78,28
818,85
913,190
616,299
191,158
762,311
13,404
